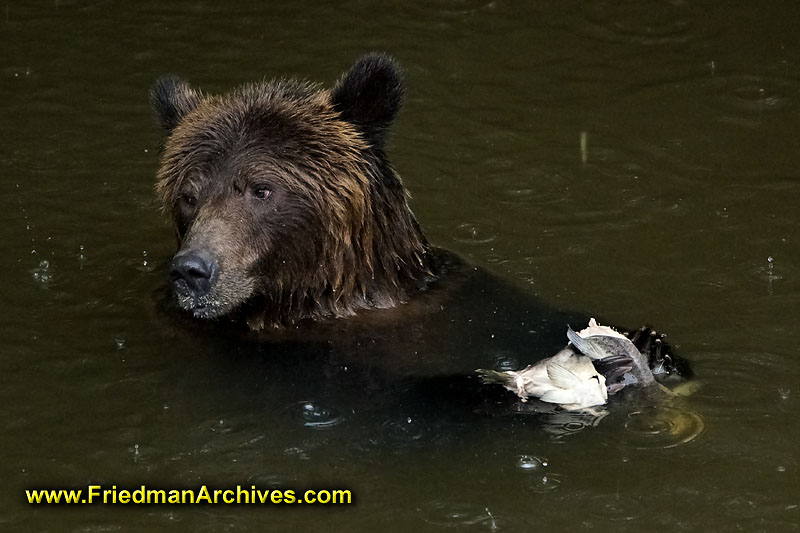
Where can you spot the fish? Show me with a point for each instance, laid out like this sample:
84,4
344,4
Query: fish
567,378
602,343
596,362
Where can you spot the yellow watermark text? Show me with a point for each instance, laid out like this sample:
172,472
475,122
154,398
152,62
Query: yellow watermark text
142,495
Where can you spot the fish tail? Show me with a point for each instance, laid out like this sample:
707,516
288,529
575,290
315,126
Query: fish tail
494,376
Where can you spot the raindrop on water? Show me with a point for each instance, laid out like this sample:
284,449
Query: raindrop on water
541,480
472,233
768,273
493,524
135,453
42,273
531,462
313,415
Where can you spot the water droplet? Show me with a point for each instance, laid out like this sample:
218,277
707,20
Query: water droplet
584,143
300,453
42,273
541,479
768,273
474,233
399,434
457,515
313,415
531,462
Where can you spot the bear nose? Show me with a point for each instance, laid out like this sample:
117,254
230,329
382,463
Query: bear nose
192,273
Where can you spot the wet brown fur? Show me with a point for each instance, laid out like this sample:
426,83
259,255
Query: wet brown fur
337,235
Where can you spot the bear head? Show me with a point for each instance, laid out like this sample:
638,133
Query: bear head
283,201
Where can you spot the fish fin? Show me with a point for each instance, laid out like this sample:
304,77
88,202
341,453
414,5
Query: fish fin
617,373
584,346
616,359
615,388
559,396
596,329
613,367
561,377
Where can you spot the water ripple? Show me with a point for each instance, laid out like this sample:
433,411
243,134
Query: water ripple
474,233
740,380
615,508
444,513
750,93
314,415
662,427
642,23
541,479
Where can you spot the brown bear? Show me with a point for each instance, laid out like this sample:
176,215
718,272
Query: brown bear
283,198
288,213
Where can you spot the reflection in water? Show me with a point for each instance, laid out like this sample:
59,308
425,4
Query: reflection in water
565,423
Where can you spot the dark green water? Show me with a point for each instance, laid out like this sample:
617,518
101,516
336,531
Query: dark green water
680,210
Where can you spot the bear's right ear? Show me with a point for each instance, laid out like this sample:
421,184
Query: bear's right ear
173,99
370,94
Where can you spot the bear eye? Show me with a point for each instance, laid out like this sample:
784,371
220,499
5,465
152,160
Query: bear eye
261,192
188,200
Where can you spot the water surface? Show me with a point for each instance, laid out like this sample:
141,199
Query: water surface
635,160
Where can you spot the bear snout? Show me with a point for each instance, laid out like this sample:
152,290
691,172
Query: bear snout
193,273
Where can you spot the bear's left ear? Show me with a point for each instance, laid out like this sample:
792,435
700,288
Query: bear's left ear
173,99
370,94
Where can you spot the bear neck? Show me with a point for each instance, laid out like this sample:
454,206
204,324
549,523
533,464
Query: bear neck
388,262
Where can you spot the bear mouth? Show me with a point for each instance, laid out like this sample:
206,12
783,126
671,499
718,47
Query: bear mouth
220,299
205,312
202,307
